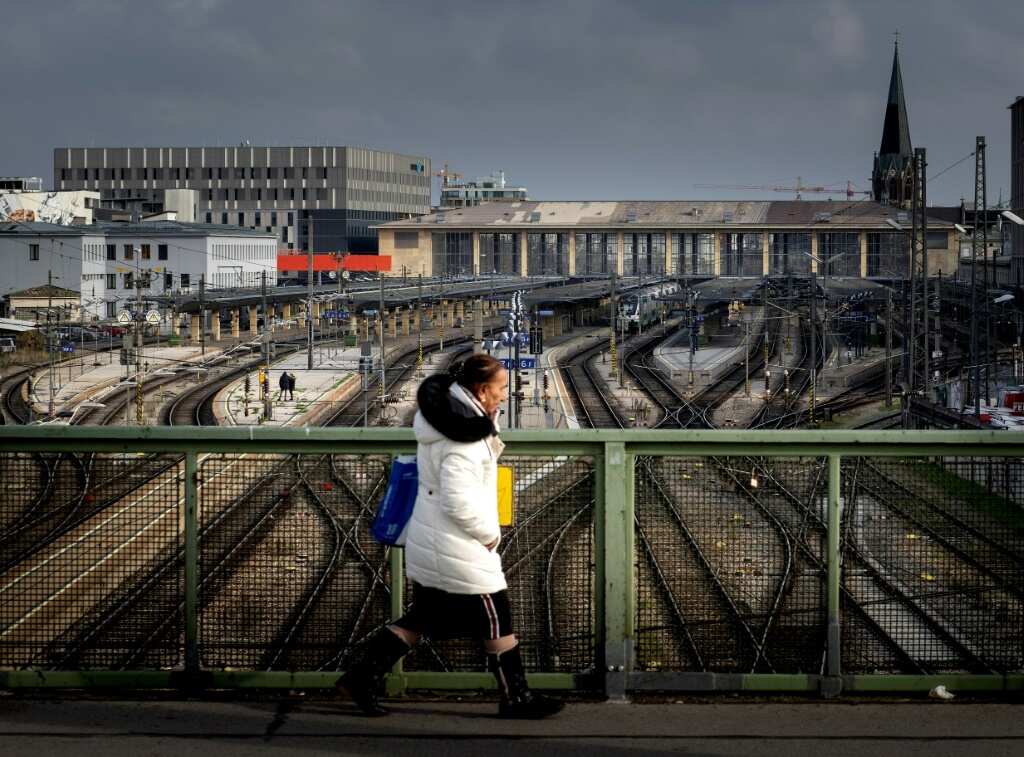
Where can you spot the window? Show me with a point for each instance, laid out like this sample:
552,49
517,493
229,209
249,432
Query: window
323,173
168,281
289,172
209,217
304,194
112,309
271,173
241,219
239,173
259,194
406,240
145,252
291,193
208,173
937,240
257,218
305,172
158,173
111,252
189,173
111,281
128,280
275,195
236,195
33,252
273,218
291,219
185,283
129,253
209,195
220,172
224,218
253,173
161,252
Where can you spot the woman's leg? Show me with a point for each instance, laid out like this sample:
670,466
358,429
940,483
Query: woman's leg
505,662
502,644
409,637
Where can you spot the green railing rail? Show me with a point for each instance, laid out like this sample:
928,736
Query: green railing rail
614,456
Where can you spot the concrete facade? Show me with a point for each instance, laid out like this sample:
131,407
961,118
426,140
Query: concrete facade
101,261
700,239
339,191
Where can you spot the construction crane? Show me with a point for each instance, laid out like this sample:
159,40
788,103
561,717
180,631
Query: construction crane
447,177
800,189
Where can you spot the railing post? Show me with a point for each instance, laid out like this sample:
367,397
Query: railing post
395,683
191,563
617,555
832,684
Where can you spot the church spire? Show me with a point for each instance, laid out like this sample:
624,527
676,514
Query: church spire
891,179
896,129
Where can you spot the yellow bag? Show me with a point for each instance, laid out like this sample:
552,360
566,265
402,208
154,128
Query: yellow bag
504,495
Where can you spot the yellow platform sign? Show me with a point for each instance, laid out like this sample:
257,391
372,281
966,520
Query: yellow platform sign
504,495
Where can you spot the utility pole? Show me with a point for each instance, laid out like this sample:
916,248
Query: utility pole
419,323
309,297
202,312
268,408
380,320
613,353
49,340
888,347
139,321
977,240
814,343
478,326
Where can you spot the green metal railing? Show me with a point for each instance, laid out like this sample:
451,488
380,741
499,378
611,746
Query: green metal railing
620,464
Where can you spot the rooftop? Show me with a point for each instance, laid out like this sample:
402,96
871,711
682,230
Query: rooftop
687,214
147,229
45,290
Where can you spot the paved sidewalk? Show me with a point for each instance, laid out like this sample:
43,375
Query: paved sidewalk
305,727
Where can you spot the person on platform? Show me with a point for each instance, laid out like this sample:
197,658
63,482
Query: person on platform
459,587
283,385
291,386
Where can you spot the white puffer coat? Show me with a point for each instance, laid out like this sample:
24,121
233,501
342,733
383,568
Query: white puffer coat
456,511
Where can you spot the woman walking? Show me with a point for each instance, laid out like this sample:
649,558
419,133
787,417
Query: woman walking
459,588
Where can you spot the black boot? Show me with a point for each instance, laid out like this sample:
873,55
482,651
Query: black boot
517,701
364,676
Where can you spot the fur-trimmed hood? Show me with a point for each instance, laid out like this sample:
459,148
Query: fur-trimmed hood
451,416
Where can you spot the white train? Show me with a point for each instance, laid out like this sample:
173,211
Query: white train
644,308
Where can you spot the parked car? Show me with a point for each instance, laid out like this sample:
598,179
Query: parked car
7,344
113,329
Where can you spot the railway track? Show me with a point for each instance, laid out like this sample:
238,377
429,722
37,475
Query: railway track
98,633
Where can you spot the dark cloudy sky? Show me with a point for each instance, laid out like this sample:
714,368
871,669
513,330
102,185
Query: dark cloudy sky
576,99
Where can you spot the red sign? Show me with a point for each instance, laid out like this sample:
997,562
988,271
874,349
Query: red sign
331,262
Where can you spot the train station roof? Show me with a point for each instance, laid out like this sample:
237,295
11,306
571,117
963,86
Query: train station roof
366,295
665,214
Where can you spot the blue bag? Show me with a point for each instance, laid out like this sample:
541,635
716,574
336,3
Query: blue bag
395,508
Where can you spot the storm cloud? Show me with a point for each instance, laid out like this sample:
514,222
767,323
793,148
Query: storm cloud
574,99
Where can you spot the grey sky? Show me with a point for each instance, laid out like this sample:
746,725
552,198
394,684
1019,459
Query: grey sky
574,99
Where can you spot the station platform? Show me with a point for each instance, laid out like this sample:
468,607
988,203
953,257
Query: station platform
81,380
721,353
299,725
332,378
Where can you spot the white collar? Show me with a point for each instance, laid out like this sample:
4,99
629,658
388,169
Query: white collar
458,391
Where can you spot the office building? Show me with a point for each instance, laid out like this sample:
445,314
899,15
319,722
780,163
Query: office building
327,198
104,260
494,188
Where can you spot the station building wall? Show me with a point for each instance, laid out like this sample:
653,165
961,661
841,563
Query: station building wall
685,252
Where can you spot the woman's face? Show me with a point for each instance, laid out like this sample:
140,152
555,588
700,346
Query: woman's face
491,394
